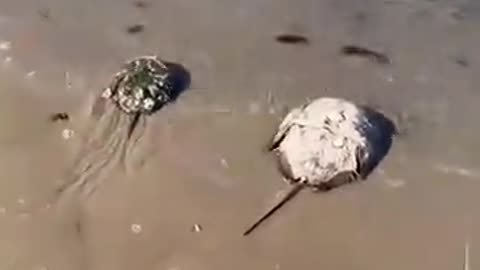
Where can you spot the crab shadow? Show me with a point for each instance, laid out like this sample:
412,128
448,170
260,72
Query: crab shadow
379,133
180,79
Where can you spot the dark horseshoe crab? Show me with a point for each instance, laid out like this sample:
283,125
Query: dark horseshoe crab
326,143
142,87
118,119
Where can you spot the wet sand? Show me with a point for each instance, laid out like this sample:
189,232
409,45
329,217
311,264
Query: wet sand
201,159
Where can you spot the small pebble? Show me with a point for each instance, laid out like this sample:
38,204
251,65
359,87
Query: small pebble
30,74
5,45
292,39
135,28
59,117
136,228
197,228
7,60
3,210
67,134
21,201
224,163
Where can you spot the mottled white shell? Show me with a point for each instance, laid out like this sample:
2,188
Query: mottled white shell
321,139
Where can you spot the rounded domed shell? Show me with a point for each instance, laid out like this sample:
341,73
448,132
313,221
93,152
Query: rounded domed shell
323,139
142,86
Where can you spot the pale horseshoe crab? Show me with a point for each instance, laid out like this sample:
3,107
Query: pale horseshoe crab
143,86
326,143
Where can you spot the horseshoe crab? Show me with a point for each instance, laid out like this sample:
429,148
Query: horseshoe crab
326,143
143,86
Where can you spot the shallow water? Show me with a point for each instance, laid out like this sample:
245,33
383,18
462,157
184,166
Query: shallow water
201,159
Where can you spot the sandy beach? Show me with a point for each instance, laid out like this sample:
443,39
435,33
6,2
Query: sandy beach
199,175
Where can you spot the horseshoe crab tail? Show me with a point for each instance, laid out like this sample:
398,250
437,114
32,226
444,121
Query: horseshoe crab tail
133,124
287,197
